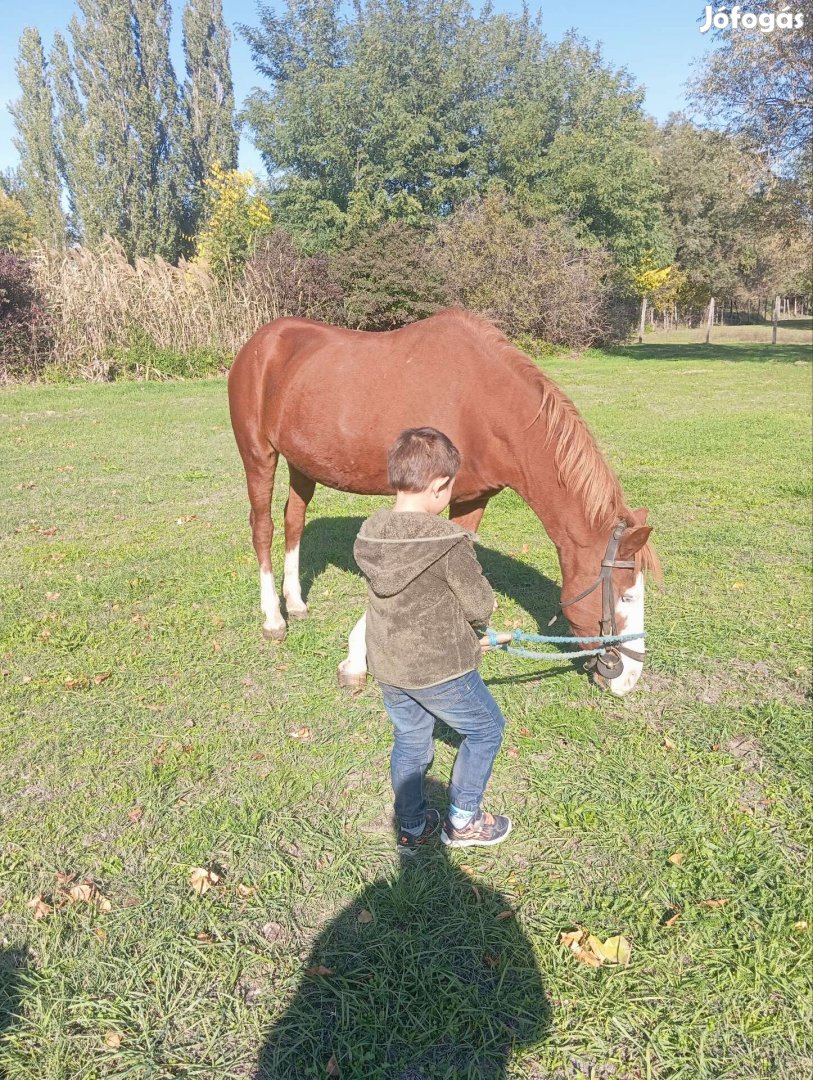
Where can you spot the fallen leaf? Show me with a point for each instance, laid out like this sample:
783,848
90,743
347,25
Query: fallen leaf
216,646
113,1039
574,941
103,676
205,937
332,1067
476,892
677,858
136,813
100,933
202,879
525,732
712,903
365,916
131,901
319,969
76,682
617,950
185,520
48,532
467,869
300,733
512,752
52,596
39,907
738,585
668,744
64,878
504,915
524,549
673,918
800,925
26,485
189,722
245,892
87,892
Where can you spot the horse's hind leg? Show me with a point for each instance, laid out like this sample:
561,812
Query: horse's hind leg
260,472
300,494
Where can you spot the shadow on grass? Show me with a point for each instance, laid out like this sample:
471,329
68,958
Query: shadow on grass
435,985
758,352
12,962
328,541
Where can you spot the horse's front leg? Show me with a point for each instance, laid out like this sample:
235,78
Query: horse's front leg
300,494
353,670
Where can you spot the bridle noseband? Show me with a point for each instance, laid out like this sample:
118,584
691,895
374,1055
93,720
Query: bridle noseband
609,663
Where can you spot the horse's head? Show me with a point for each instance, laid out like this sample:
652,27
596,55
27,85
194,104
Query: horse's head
607,597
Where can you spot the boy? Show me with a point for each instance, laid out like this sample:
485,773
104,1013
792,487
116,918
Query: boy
426,593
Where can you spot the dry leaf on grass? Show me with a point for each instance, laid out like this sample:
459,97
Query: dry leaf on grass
668,744
273,931
300,733
39,907
365,916
113,1039
319,969
590,950
52,596
712,903
332,1067
103,676
245,892
136,813
800,925
100,933
26,485
677,858
476,892
504,915
673,918
87,892
76,682
202,879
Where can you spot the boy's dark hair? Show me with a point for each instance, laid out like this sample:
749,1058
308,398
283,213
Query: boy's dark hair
420,455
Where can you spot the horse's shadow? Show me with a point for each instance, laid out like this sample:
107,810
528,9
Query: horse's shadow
426,974
328,541
12,963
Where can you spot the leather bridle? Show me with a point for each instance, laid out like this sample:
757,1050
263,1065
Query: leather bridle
609,664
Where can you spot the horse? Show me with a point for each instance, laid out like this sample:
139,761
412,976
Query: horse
332,400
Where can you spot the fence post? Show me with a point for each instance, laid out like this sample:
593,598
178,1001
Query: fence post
643,320
776,304
710,320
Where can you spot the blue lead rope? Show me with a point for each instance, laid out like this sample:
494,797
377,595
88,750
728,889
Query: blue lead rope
548,639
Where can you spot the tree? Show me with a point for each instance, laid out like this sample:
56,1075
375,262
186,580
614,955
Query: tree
119,127
409,107
36,141
758,83
208,96
237,217
16,227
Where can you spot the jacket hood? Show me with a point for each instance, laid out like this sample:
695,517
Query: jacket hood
393,548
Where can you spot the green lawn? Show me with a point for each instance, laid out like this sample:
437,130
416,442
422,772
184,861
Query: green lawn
145,731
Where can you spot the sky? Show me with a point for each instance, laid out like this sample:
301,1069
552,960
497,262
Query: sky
656,40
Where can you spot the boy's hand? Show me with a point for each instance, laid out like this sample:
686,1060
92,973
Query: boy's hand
503,638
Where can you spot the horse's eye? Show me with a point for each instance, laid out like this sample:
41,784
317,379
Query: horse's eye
627,599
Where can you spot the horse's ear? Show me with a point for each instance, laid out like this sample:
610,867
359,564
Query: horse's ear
638,517
633,540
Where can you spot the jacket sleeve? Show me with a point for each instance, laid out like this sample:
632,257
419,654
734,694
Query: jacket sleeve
465,577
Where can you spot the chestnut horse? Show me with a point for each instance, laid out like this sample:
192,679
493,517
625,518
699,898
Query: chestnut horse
332,401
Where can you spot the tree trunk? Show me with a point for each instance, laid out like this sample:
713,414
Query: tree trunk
776,306
710,320
643,320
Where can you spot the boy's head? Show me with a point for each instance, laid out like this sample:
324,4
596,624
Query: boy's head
424,462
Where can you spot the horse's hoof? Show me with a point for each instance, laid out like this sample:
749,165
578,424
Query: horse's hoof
297,614
274,633
351,680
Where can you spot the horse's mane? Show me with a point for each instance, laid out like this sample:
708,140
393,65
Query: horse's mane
580,464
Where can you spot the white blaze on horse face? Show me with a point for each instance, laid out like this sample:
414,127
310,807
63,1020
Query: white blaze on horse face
629,615
269,602
290,583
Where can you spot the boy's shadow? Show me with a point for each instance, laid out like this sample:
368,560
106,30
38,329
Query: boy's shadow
434,985
12,961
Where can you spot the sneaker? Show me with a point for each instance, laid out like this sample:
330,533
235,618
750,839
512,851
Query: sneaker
484,830
409,844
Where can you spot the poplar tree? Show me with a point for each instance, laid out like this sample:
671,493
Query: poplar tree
120,127
210,135
33,114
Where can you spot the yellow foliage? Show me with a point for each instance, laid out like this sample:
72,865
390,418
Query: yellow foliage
16,227
236,216
661,285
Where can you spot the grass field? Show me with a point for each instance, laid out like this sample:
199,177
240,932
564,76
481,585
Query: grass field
147,730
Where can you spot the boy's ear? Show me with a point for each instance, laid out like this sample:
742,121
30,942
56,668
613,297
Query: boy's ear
439,483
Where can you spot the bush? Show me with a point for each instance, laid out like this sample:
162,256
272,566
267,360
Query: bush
284,281
25,327
388,278
529,276
142,358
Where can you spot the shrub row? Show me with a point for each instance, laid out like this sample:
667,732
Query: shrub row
93,314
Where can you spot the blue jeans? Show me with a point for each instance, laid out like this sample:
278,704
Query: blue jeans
466,705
